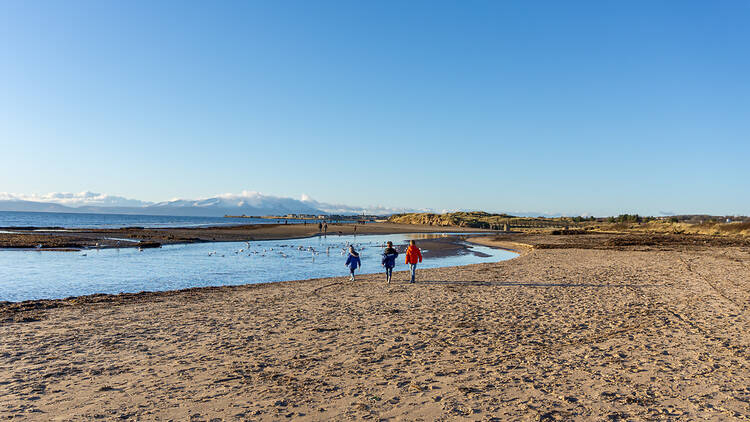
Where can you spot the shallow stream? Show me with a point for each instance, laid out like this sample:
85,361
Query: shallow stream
27,275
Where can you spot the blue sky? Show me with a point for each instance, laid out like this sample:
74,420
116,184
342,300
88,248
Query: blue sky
597,107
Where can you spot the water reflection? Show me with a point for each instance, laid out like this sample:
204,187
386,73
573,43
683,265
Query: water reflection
46,275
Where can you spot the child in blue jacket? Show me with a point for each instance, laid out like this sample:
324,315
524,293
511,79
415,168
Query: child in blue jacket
389,260
353,262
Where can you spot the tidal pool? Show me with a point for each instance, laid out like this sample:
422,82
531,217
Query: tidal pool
28,275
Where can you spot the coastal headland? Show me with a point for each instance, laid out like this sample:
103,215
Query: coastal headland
579,327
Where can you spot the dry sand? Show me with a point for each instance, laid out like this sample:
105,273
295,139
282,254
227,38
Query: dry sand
629,331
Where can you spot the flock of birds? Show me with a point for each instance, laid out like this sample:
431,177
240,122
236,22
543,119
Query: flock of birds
283,250
97,246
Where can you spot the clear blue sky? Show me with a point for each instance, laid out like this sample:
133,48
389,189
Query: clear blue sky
596,107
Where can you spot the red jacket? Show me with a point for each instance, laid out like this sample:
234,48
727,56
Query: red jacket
413,255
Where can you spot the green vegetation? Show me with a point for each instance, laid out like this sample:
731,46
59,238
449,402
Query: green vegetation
707,225
711,228
476,219
580,219
481,220
628,218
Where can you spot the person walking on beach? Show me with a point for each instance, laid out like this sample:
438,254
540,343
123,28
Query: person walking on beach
325,228
353,262
413,256
389,260
320,227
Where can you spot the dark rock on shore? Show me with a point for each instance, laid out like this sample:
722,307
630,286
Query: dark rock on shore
147,244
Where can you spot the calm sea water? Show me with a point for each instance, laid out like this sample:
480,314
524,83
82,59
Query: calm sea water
75,220
26,275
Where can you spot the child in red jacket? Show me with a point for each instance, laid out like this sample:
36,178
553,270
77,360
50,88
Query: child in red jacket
413,256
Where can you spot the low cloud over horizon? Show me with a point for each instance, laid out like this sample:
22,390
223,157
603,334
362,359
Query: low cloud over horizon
246,202
76,199
226,200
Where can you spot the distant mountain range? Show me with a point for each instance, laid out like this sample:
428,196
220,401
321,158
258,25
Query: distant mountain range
213,207
246,203
31,206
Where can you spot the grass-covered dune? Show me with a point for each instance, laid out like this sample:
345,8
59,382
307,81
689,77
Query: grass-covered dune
665,226
705,225
479,220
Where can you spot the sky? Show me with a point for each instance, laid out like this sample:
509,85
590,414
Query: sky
583,107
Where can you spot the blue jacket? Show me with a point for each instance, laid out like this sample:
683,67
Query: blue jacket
389,258
353,262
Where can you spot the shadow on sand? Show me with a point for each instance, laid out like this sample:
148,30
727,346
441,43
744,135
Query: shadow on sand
519,284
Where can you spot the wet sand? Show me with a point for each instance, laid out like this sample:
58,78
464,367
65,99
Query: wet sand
131,237
576,328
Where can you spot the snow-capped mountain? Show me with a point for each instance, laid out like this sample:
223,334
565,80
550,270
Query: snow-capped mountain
245,203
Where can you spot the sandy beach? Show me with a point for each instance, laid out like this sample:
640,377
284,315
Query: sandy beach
602,327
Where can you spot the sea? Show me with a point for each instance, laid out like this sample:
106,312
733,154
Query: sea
31,275
110,221
28,275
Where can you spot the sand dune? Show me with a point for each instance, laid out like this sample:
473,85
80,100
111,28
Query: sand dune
556,334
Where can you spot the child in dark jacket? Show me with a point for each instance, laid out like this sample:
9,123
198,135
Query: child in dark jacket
389,260
353,262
